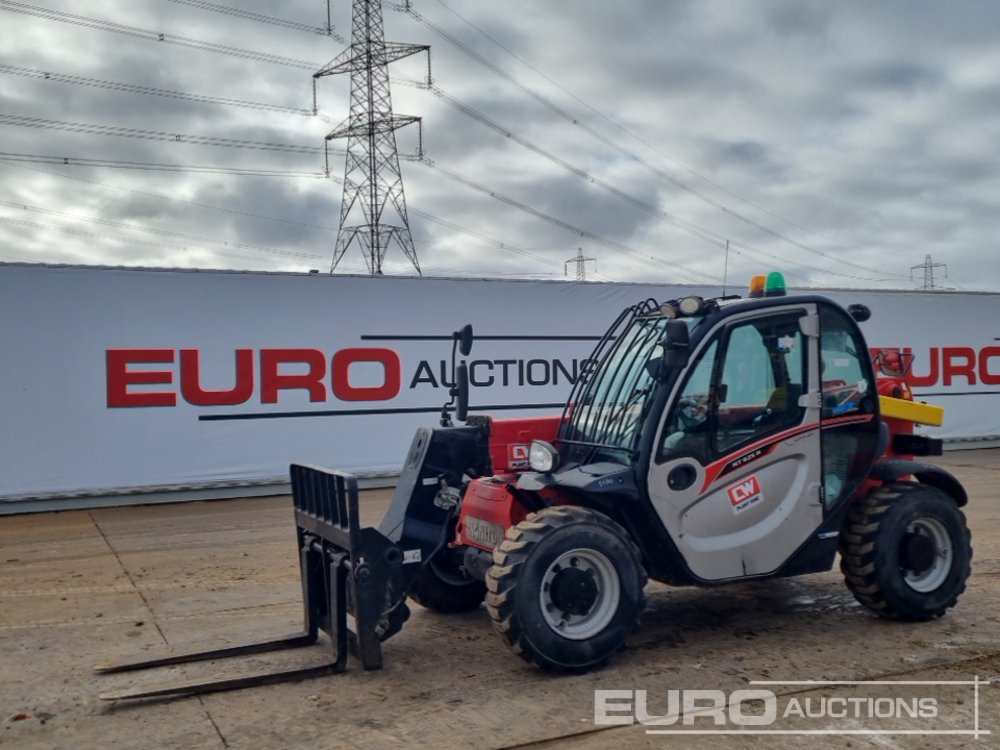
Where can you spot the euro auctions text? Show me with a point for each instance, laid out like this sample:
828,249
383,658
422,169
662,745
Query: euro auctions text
806,707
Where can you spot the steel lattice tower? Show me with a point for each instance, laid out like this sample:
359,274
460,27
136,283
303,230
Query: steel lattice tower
928,268
581,265
372,179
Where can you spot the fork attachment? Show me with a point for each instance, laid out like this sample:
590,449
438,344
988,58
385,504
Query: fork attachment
346,570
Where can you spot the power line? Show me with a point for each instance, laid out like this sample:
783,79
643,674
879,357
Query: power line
255,55
622,128
556,109
154,135
132,88
501,245
153,36
620,247
407,8
739,248
490,240
707,235
261,18
73,161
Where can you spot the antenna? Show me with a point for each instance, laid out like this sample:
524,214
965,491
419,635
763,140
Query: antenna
725,271
372,178
581,265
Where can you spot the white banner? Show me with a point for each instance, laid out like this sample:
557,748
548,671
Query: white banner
117,378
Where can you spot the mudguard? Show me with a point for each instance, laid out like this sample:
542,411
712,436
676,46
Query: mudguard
894,468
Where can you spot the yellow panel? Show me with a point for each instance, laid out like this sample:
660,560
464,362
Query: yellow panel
911,411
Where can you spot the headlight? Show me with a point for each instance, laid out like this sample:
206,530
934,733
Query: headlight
542,457
667,310
691,305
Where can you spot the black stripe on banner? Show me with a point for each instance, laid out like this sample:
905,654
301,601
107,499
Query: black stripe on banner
379,337
365,412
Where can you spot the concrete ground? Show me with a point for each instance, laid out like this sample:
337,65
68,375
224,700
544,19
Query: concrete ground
81,588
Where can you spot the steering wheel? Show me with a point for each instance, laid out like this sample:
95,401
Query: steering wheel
691,412
765,419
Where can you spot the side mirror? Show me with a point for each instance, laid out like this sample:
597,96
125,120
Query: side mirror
675,345
464,338
461,341
462,386
860,313
677,334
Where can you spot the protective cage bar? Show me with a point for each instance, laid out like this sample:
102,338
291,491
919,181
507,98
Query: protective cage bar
331,557
586,421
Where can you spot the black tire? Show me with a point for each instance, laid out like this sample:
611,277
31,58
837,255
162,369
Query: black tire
444,588
906,552
603,580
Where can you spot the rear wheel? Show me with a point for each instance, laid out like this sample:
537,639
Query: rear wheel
443,587
906,553
565,589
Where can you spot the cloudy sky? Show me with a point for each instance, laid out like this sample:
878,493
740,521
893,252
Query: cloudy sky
842,142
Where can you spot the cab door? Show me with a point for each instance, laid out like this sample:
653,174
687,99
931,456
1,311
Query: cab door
736,477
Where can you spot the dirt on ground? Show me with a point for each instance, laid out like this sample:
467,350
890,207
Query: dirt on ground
79,588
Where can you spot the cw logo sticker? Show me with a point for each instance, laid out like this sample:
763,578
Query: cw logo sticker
745,494
518,456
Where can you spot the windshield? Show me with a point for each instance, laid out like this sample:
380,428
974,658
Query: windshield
607,412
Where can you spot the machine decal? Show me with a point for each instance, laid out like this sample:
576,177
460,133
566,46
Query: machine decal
841,421
484,532
518,457
747,458
745,494
724,465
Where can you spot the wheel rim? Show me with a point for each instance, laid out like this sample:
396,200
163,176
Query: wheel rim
579,594
926,554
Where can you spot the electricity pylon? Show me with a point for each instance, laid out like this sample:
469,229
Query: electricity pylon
581,265
928,269
372,179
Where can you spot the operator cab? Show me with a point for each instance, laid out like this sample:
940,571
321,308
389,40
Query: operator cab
747,422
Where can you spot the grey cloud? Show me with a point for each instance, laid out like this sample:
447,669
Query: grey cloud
871,124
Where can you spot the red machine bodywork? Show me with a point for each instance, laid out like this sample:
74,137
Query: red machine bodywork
510,438
892,366
491,502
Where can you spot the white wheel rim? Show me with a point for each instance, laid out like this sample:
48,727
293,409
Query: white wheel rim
580,626
934,575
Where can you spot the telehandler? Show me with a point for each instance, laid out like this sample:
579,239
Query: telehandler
709,441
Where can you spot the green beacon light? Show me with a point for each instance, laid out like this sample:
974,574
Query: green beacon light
775,285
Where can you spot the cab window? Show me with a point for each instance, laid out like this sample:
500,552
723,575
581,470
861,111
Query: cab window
845,382
687,429
745,386
848,388
762,377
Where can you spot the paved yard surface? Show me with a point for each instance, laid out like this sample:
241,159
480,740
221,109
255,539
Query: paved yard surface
81,588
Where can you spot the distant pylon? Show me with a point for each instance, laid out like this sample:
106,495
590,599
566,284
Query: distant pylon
928,268
581,265
372,179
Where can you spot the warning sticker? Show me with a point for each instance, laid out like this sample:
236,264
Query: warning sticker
745,494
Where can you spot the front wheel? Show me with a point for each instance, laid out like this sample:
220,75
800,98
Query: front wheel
906,553
442,586
566,588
